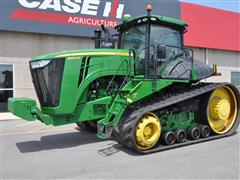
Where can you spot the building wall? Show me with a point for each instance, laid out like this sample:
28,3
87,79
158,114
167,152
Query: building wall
219,57
27,45
18,48
227,61
224,58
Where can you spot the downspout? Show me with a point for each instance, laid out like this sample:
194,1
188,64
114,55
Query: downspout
206,59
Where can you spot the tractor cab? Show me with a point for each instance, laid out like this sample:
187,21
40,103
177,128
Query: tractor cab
157,42
155,39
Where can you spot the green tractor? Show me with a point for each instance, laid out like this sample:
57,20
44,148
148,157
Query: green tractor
145,93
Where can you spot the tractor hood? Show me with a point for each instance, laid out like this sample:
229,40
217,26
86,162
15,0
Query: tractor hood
62,79
84,52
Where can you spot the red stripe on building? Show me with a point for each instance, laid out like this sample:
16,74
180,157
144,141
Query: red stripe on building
113,11
210,27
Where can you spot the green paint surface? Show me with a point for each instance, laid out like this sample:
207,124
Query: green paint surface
182,120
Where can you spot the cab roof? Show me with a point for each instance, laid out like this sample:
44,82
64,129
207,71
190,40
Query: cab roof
155,19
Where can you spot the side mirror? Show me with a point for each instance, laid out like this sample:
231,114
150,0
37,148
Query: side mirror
186,53
104,29
108,41
161,52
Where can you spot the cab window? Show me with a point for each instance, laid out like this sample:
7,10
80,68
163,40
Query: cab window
166,36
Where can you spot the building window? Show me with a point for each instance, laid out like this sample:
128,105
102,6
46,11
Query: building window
6,85
235,79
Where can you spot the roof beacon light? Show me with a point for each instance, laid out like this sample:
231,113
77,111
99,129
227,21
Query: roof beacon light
126,17
149,8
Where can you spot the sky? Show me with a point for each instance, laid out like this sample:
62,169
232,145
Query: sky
228,5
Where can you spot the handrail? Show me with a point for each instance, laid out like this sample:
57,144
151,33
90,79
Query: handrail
135,60
125,60
155,65
134,56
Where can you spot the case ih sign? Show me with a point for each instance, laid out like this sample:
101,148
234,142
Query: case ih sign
84,8
74,17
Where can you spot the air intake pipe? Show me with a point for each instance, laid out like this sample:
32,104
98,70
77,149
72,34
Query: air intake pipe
97,38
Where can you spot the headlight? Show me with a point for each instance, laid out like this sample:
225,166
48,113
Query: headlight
39,64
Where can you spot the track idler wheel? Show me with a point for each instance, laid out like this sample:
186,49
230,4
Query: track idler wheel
180,135
204,131
193,133
222,109
168,138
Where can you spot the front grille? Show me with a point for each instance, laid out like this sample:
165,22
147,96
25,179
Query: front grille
47,81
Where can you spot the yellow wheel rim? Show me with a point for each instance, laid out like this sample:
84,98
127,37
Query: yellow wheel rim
147,131
222,110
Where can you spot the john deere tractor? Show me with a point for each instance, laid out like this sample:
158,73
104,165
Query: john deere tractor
146,93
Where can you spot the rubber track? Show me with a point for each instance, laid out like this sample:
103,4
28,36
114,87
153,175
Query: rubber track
124,133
